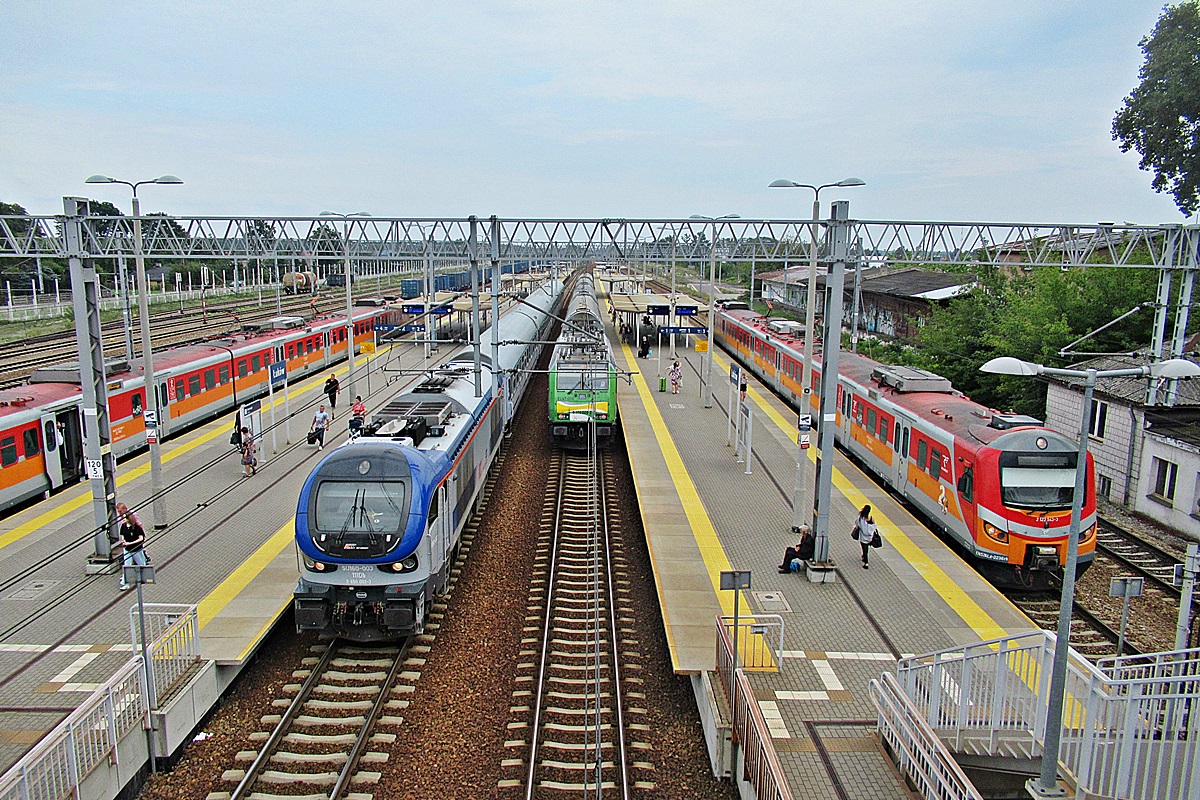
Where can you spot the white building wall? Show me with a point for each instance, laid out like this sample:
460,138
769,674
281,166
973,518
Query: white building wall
1110,454
1182,511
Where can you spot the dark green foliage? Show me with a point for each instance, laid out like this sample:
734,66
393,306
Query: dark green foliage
1161,117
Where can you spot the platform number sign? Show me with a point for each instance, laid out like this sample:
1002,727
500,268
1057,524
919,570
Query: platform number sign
95,468
735,374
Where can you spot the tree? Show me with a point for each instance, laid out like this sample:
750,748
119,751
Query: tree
1161,117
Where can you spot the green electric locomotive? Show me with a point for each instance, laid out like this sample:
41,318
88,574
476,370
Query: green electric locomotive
583,376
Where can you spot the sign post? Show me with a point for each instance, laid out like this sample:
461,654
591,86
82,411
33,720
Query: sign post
278,377
735,375
1124,588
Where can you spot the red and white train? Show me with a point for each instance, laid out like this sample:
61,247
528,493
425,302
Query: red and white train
41,439
1000,485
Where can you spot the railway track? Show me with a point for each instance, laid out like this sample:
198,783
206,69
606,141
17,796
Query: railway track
1090,636
1138,556
580,677
321,744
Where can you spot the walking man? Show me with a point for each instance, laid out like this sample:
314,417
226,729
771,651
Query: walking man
332,387
319,424
133,540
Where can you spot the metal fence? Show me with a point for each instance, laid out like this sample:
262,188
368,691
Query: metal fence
1128,727
919,754
56,765
760,641
761,767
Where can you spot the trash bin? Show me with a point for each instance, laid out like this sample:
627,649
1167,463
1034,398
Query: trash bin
662,383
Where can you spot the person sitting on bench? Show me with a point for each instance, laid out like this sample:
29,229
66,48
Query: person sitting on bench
804,549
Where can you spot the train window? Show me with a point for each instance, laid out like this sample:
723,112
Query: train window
31,442
935,463
433,507
241,365
162,395
883,428
922,455
193,385
51,439
292,350
871,421
224,374
210,378
178,388
905,448
8,451
896,438
256,363
308,345
361,506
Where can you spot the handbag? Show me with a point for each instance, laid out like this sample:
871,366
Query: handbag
854,533
876,540
312,437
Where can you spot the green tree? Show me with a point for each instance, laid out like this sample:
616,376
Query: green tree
1161,117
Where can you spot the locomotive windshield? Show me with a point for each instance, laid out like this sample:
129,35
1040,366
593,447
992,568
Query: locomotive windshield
1042,488
355,508
592,380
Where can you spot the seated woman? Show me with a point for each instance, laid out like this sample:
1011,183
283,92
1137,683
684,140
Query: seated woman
804,549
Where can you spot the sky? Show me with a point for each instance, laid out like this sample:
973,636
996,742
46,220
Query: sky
974,111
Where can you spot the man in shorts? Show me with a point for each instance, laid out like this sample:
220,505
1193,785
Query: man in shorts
319,424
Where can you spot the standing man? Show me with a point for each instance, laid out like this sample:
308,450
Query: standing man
332,387
319,424
133,540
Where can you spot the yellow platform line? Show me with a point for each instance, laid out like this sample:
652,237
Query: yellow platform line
959,601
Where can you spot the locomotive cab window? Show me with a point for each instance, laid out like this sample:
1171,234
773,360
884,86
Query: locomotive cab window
354,507
1037,481
966,484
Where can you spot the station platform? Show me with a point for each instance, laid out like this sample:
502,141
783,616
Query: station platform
227,550
703,515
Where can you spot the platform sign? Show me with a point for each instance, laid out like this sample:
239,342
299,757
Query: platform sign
411,328
150,417
278,373
413,309
251,417
382,328
685,311
95,468
366,347
804,422
805,441
735,373
702,345
682,330
658,311
442,310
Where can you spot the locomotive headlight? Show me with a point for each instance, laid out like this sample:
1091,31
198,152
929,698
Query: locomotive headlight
404,565
1087,535
995,533
318,566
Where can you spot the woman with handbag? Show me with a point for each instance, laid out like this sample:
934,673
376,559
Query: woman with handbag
868,537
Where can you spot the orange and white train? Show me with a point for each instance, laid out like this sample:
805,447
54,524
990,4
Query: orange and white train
999,485
41,438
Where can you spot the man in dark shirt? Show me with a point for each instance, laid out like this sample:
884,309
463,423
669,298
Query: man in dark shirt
133,540
332,387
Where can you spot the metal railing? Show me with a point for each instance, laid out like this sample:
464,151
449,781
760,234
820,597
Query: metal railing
761,767
56,765
760,641
1129,731
920,755
174,634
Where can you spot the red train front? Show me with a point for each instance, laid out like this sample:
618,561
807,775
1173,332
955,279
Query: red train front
999,485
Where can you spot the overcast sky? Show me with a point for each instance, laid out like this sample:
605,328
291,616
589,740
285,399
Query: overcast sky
973,111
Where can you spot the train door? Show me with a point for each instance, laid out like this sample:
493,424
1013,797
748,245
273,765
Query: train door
51,450
68,443
901,443
440,540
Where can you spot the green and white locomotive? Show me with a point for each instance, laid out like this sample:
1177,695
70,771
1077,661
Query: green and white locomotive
583,376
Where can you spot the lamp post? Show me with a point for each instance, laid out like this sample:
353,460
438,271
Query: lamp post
349,299
712,300
1046,785
810,311
158,515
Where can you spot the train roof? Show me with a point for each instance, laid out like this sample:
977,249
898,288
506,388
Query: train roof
922,393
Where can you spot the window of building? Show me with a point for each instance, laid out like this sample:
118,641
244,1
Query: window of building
8,451
1164,473
1103,486
31,443
1097,419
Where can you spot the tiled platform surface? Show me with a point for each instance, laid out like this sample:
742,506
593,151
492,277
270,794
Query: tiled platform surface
917,595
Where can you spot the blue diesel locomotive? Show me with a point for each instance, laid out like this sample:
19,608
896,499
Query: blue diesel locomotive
379,520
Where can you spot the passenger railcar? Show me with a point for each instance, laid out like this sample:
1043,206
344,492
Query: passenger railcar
41,435
379,519
999,485
582,385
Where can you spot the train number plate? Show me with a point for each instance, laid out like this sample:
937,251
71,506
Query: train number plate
357,574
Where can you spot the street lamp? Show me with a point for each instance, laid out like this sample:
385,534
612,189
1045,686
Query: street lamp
810,310
349,299
712,300
1046,785
150,413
